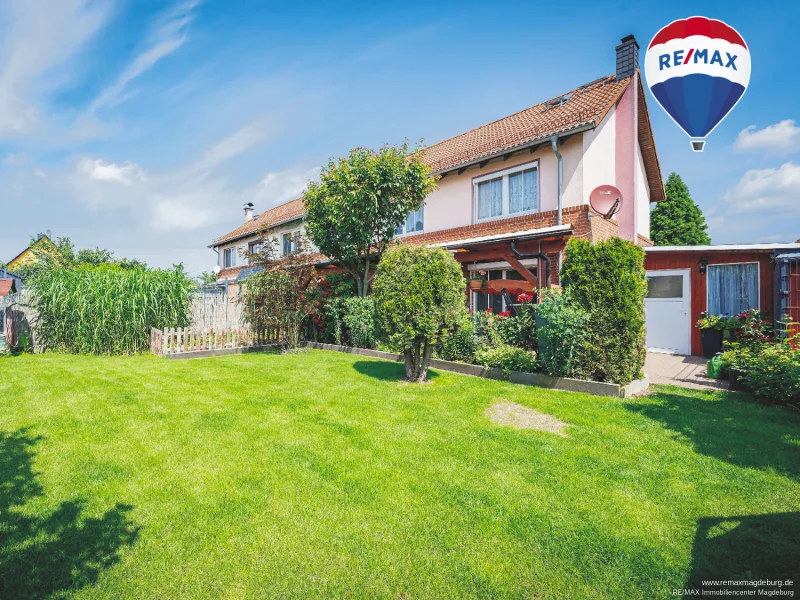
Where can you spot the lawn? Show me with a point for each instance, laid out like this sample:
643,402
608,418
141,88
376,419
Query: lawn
322,476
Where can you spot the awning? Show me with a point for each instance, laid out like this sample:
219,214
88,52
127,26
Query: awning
527,234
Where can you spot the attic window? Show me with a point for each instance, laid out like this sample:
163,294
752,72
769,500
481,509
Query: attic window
560,101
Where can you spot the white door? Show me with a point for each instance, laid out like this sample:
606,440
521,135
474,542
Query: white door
667,311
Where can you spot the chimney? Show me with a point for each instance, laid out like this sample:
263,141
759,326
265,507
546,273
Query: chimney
627,57
248,212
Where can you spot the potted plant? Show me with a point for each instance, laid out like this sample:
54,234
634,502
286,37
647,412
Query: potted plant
710,327
477,280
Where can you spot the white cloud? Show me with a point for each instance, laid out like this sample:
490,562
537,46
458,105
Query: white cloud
281,186
168,34
39,173
238,142
40,39
781,138
183,212
126,173
766,190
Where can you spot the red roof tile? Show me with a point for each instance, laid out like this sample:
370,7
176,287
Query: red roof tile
282,213
7,286
585,105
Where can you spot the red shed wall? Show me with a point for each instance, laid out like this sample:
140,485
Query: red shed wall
657,261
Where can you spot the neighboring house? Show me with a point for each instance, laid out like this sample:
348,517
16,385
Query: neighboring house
28,256
513,192
684,281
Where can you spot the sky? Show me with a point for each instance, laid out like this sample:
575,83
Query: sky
142,126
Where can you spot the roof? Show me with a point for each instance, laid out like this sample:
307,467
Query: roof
7,287
583,106
500,237
725,248
283,213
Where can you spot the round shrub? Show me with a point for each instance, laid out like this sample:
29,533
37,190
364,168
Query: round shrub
609,282
419,298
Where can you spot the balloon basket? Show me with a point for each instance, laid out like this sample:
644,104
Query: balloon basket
698,145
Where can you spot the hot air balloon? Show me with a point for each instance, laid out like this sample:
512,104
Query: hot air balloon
697,69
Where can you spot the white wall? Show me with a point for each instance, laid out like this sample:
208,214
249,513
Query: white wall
451,205
241,245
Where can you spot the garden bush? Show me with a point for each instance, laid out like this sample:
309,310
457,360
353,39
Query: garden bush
773,374
419,298
460,344
561,333
108,309
508,358
520,331
361,322
609,282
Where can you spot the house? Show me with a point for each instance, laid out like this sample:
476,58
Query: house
684,281
513,192
28,255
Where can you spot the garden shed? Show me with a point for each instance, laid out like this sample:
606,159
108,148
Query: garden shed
684,281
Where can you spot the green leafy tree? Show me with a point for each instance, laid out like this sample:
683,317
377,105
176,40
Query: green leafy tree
419,297
61,254
678,221
206,277
354,210
283,294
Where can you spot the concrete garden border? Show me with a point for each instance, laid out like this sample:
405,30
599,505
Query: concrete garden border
596,388
221,351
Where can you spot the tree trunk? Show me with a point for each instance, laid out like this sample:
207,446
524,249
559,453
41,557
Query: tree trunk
365,284
418,359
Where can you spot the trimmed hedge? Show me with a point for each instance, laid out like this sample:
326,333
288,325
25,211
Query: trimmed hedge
608,281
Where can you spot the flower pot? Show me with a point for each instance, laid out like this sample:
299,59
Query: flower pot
475,285
736,379
712,342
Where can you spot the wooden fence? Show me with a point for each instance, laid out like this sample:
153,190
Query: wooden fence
165,342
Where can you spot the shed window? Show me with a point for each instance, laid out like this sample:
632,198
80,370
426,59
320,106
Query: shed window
732,289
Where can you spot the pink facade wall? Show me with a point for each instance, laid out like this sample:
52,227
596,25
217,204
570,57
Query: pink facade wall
625,159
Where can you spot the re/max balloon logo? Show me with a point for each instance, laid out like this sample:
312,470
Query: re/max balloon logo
678,58
697,70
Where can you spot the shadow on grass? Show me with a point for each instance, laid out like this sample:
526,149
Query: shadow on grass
742,433
748,547
386,371
55,553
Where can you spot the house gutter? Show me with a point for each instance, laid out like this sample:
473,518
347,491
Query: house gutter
554,143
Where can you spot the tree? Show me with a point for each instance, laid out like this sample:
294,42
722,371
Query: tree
419,299
282,294
61,254
206,278
354,210
678,221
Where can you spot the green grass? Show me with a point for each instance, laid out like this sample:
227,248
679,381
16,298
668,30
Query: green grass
321,475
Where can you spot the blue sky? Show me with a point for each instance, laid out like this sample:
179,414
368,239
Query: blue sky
143,126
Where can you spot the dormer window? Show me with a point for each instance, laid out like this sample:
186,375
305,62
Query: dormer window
510,192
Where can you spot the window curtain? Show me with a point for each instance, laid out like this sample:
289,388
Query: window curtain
523,191
732,289
490,198
530,199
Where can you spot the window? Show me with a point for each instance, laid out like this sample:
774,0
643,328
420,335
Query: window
229,257
289,242
254,247
665,286
732,289
482,300
510,192
413,223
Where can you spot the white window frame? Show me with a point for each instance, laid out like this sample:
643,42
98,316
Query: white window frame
224,258
746,262
405,233
499,266
504,173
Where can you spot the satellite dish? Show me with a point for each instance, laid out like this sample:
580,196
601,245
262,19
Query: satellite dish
217,269
606,200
